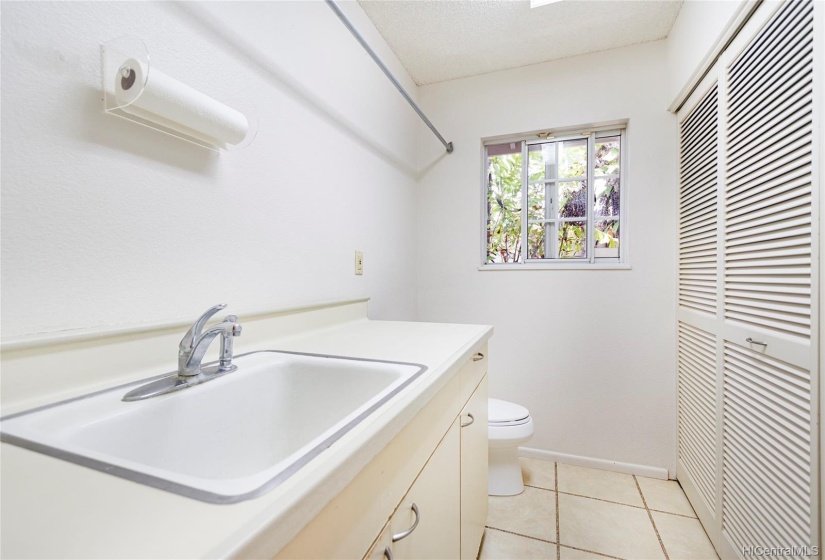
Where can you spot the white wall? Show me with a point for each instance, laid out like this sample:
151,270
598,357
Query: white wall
590,353
697,28
105,222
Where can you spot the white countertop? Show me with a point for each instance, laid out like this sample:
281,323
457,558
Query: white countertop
55,509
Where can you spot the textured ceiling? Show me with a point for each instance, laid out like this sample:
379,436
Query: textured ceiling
440,40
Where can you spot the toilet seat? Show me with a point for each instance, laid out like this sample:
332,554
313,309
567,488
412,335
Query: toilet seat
504,413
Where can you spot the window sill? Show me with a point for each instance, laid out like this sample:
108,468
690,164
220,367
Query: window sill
566,266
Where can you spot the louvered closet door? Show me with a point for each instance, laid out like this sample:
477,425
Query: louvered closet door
748,456
769,466
699,304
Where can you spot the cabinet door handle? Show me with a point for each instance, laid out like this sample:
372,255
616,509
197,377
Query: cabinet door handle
403,534
472,419
388,553
752,341
478,357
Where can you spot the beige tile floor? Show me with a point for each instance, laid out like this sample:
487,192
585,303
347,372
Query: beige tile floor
572,513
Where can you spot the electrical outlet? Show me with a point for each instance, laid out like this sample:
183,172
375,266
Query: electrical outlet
359,263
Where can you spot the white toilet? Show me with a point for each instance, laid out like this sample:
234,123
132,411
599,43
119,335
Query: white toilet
510,425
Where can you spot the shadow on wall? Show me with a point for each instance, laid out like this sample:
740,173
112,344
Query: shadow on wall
287,83
426,168
115,132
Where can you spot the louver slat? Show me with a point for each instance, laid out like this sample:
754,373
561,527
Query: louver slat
698,206
789,142
697,408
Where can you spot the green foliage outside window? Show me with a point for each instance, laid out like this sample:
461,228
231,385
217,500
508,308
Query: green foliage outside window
504,203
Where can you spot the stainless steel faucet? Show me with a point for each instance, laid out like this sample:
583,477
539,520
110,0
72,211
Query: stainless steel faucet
191,350
196,341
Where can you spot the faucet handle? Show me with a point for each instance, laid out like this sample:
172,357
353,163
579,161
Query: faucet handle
196,329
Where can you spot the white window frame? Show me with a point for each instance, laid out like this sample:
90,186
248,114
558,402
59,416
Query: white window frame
592,262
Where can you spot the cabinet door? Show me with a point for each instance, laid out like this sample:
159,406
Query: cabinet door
382,548
470,375
474,465
436,496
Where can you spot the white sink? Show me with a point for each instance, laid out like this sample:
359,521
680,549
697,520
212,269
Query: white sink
228,440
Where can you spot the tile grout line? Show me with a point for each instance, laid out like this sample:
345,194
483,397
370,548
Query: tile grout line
539,487
610,501
558,525
650,515
520,534
590,551
676,514
600,500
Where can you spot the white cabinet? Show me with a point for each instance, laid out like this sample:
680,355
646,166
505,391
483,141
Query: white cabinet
431,528
474,463
434,463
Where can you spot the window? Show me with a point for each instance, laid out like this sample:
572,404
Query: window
537,193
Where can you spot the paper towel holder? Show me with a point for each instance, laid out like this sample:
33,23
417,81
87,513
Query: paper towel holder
114,55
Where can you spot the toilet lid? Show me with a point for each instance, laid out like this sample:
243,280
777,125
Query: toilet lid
504,412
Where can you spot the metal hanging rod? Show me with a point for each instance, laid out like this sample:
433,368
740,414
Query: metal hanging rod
348,24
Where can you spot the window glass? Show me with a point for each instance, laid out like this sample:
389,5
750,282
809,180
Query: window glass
607,197
504,202
536,236
573,240
542,164
606,161
572,159
552,200
536,197
572,199
607,238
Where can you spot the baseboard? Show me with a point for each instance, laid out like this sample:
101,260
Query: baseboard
593,463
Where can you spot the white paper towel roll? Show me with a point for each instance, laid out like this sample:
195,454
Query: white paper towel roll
175,103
